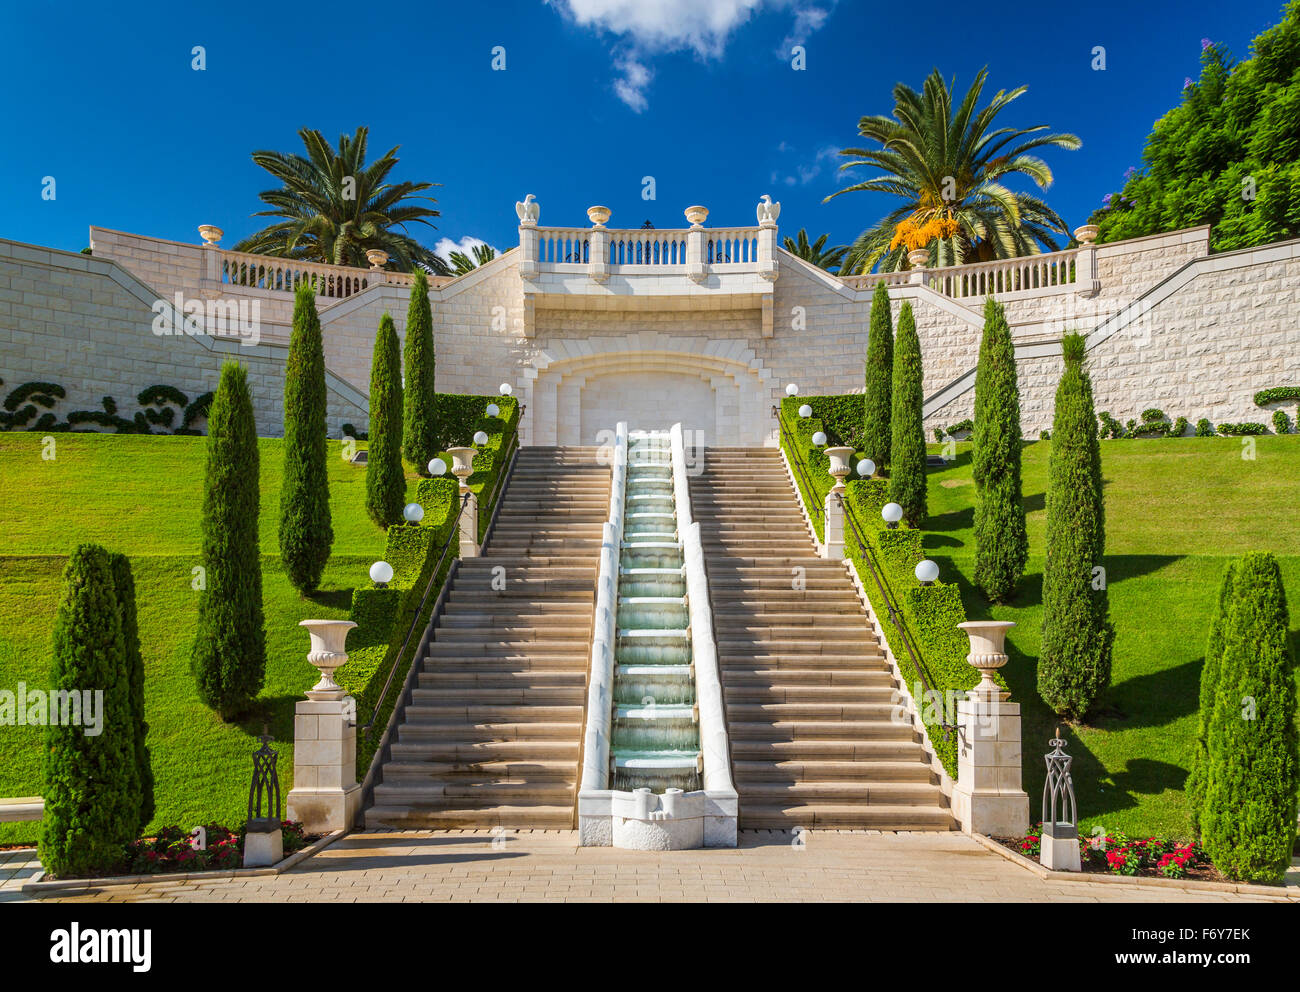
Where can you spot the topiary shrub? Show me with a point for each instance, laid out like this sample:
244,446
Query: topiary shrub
1180,427
1001,541
1236,430
962,427
1109,426
91,809
1248,820
124,586
1196,779
385,477
1074,663
1277,394
229,654
877,401
1281,423
907,447
419,427
1204,428
305,530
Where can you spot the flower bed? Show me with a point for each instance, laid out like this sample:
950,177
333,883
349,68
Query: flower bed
1119,854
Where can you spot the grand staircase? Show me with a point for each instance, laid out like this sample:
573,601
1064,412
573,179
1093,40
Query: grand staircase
493,732
808,691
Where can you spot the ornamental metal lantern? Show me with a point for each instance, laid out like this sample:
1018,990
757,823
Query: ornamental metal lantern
1060,839
264,793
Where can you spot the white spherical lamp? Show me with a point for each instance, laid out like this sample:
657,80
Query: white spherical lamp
819,438
493,410
892,514
805,411
381,573
866,468
413,512
437,467
480,438
505,389
791,390
926,572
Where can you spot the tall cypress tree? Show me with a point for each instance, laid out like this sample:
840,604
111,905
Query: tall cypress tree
229,656
1248,819
124,586
385,480
305,531
1001,542
877,398
419,430
91,807
907,447
1075,660
1196,780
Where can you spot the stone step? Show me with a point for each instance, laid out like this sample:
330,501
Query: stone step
453,681
752,693
523,618
846,793
503,662
828,749
739,678
834,711
509,649
495,697
461,732
414,817
748,660
754,772
759,646
520,635
760,816
546,773
798,730
488,752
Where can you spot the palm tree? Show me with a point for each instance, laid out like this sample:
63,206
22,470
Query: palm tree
462,263
817,253
949,168
336,207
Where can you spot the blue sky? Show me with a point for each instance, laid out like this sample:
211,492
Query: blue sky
595,96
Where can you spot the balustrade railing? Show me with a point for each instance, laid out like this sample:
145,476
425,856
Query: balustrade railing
647,247
977,280
284,275
559,246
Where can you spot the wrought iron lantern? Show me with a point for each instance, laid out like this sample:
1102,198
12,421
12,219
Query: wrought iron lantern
1060,839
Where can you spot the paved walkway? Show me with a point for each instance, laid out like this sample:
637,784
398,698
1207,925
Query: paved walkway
463,866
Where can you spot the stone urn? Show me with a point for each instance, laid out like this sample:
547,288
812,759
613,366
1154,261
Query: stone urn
327,655
697,215
839,456
918,258
210,234
377,258
1086,234
987,654
462,464
598,215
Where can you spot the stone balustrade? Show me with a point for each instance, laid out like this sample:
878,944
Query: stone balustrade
284,275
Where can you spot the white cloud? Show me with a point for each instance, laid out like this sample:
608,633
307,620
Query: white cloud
645,28
804,173
446,246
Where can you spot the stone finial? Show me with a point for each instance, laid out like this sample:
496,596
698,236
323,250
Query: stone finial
919,258
529,210
211,234
697,215
377,258
327,655
598,215
987,654
768,211
1086,234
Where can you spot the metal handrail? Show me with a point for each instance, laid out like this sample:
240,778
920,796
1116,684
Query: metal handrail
891,606
502,472
797,462
415,620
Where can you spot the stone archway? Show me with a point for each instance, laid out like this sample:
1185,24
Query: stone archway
576,388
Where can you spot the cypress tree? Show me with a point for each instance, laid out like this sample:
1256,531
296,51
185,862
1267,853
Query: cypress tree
305,531
907,447
1248,819
91,810
124,586
877,399
419,432
229,656
1209,690
1001,543
385,480
1075,661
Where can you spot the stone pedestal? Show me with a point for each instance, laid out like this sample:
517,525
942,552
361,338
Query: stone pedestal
988,798
833,545
325,795
263,847
1060,847
469,527
695,270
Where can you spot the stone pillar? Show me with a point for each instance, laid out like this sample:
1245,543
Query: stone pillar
529,264
988,797
598,244
210,282
834,534
462,466
1086,281
695,266
325,794
767,264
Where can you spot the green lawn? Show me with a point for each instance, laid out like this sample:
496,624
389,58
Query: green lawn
143,495
1176,510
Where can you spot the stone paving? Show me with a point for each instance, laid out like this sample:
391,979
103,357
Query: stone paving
548,866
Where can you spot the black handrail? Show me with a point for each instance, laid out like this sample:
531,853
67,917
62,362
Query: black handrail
891,606
797,462
415,620
501,475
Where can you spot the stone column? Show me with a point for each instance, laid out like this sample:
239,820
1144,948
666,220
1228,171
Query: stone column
529,265
1086,280
325,794
695,267
767,265
598,244
463,467
210,282
988,798
834,534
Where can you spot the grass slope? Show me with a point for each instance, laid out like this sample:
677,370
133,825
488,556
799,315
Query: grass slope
1176,511
142,495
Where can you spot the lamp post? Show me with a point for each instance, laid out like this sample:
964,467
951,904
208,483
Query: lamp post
1059,844
926,572
381,573
891,513
263,836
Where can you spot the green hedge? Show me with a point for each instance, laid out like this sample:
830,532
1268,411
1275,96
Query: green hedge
841,418
460,417
1277,394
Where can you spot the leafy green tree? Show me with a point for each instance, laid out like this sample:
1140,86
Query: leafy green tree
907,449
1228,155
92,806
385,479
229,655
124,587
1196,780
305,531
816,253
1075,660
335,207
877,397
1248,820
949,165
1001,542
419,425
